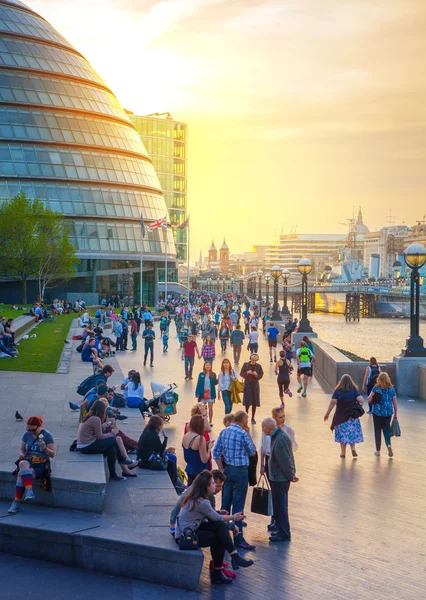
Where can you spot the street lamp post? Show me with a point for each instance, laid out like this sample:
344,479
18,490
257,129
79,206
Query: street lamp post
241,285
267,279
223,284
276,273
285,275
415,258
397,269
259,274
304,267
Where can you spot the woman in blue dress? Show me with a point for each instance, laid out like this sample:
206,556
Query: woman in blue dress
347,430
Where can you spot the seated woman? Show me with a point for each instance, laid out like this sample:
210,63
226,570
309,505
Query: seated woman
212,528
135,392
92,440
150,443
104,347
37,448
196,451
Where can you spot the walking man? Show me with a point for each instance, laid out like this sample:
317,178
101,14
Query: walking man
273,334
149,336
188,355
304,362
236,341
282,472
235,446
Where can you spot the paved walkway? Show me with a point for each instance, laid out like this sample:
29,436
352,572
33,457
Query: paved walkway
357,525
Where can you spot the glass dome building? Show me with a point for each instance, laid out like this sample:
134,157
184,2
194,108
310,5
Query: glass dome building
65,139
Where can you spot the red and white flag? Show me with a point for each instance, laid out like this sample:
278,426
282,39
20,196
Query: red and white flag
158,223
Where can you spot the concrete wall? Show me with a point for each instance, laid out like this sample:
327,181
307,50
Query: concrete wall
422,382
330,364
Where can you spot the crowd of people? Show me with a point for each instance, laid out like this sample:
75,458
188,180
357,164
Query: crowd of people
199,325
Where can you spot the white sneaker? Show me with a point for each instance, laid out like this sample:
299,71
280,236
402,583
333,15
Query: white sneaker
29,495
14,508
390,451
377,453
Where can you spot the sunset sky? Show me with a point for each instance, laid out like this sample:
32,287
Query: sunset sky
297,109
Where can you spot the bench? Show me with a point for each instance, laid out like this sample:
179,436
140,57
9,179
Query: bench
22,324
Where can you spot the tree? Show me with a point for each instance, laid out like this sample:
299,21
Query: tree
34,242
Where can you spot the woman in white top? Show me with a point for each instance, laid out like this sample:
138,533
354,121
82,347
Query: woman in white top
135,391
226,375
253,341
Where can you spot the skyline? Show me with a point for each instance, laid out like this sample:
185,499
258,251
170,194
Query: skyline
310,108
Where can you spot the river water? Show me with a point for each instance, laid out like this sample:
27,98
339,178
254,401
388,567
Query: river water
382,338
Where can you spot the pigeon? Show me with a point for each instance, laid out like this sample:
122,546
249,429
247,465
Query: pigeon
67,342
73,406
18,417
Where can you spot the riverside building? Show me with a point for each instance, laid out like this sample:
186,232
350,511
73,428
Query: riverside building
64,138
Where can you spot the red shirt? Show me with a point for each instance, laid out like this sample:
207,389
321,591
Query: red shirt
189,348
133,327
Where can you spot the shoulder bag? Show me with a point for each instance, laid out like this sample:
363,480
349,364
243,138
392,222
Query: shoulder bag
377,398
158,462
357,410
189,539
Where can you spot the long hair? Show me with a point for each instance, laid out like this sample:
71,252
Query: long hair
136,379
154,424
346,383
208,339
199,489
210,373
222,366
384,381
196,424
373,362
97,409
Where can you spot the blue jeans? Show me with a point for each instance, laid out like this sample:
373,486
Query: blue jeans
134,342
189,365
235,493
227,401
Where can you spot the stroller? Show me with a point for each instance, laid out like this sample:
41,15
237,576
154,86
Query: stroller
163,402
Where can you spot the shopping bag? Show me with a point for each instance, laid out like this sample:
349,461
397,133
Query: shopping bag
395,428
261,502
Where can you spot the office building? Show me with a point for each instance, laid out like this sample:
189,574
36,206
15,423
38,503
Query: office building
166,141
64,138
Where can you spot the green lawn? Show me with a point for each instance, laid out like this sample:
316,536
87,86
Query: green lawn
41,355
6,311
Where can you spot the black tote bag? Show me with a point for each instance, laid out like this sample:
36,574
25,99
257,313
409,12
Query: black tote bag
261,502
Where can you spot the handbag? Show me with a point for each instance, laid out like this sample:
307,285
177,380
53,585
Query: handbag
357,410
206,395
189,539
261,502
395,428
377,398
158,462
252,470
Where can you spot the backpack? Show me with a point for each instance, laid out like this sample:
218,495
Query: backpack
304,355
118,401
374,373
89,383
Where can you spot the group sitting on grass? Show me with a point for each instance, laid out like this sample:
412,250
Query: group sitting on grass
8,347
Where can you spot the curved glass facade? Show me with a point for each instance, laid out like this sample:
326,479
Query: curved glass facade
64,138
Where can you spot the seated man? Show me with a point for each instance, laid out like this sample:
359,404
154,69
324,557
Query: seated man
90,354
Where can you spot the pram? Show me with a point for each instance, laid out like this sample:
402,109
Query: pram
163,402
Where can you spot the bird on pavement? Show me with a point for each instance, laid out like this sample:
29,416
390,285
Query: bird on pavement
18,417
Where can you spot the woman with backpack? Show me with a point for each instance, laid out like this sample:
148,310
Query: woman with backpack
370,377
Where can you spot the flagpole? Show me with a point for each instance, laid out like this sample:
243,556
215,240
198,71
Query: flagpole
188,249
165,275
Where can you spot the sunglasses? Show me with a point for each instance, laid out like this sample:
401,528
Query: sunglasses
31,430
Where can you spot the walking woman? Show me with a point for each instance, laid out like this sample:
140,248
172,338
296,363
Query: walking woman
347,429
196,450
208,349
206,388
226,375
283,368
253,345
224,335
382,400
212,528
37,448
252,373
370,377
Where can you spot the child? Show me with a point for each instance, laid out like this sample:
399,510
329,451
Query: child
165,342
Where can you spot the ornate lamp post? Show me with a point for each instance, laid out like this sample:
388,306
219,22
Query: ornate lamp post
241,285
304,267
397,269
223,284
415,258
267,279
285,275
232,285
259,274
276,274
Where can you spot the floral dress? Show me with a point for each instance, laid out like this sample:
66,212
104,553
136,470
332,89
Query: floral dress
349,432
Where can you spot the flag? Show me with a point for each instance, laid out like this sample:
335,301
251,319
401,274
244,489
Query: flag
158,223
184,225
142,227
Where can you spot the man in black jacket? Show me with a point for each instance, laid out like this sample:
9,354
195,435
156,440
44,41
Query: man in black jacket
282,471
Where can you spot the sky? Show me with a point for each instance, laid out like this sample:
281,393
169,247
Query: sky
298,110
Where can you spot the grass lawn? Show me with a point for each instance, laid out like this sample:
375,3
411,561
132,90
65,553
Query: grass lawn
42,354
6,311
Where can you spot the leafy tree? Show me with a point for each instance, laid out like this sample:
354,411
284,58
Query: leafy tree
34,243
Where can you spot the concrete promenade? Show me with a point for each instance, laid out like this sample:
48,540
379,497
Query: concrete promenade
357,525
